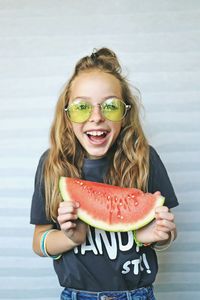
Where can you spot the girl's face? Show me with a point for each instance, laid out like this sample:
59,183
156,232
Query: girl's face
97,134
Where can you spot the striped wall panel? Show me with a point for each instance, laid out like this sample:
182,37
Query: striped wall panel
158,43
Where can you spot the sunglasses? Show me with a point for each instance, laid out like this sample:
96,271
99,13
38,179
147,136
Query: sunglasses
113,109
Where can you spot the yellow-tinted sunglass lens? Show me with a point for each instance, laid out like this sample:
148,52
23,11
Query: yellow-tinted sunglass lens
113,109
79,112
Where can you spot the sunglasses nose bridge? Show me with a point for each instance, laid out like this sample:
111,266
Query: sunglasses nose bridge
96,113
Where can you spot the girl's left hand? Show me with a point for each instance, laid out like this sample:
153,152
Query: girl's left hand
159,229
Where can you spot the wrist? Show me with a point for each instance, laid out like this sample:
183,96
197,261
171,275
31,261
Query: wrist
43,245
70,240
138,243
164,245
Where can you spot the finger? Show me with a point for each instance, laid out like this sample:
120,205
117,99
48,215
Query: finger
67,210
162,235
165,216
161,209
157,193
165,228
69,204
68,225
165,225
68,207
66,218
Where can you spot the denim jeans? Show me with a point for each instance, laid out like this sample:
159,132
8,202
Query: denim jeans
138,294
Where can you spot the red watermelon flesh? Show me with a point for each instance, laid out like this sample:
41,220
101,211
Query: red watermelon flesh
109,207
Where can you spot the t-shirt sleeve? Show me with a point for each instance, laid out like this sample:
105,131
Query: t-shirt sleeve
159,179
38,215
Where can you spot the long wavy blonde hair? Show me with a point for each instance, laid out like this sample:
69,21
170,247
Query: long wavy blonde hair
130,154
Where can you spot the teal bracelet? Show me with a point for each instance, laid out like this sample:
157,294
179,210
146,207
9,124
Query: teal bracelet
43,245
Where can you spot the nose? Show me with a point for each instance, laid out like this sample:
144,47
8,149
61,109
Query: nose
96,115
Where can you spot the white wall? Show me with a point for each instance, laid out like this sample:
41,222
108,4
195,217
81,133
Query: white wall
158,42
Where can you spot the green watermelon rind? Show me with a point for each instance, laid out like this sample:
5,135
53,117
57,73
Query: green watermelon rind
120,227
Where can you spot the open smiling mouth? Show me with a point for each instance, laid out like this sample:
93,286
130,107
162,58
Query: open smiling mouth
97,135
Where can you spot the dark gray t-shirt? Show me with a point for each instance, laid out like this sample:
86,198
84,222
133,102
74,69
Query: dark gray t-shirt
107,260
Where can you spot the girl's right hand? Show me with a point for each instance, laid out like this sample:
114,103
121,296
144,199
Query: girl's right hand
73,228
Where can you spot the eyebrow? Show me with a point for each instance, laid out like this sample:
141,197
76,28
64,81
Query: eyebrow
88,98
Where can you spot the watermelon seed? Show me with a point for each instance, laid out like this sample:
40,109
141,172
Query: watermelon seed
81,183
126,200
136,203
121,217
89,190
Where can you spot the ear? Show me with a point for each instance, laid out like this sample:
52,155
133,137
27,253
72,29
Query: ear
69,125
124,122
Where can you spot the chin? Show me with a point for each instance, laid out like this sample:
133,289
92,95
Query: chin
96,154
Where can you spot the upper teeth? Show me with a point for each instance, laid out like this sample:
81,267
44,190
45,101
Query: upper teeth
95,133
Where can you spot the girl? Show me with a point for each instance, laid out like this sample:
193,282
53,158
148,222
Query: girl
96,135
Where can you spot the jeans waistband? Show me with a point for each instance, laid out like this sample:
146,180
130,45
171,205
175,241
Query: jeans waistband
140,293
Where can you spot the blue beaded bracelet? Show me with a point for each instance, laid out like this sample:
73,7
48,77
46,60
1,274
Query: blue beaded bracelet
43,245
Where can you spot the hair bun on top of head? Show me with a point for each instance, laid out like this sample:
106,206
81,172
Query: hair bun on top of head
103,52
107,56
103,59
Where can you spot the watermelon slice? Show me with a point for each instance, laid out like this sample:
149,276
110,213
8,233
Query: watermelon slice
109,207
